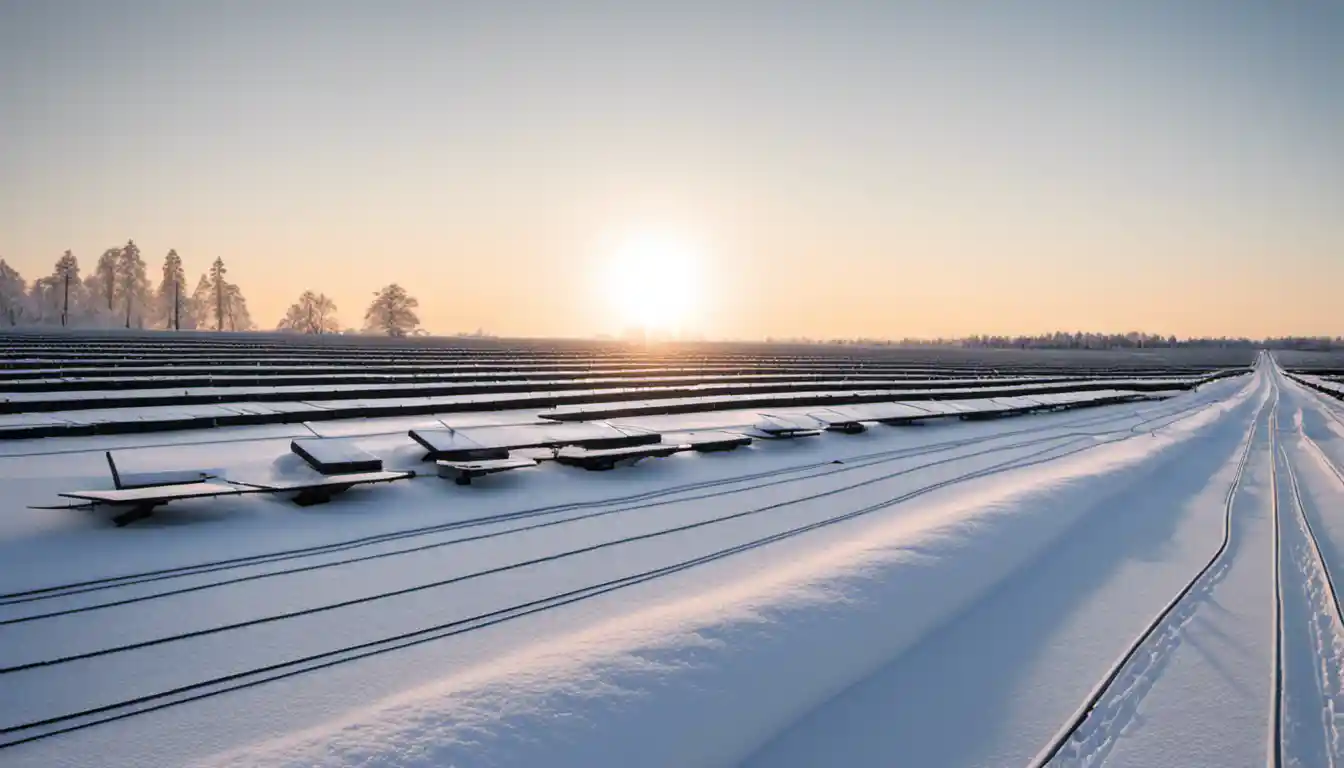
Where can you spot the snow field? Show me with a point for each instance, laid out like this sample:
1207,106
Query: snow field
1014,664
1313,636
706,647
1247,668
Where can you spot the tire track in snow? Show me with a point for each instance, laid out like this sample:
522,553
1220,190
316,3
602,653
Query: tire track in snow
1091,733
1324,627
1275,744
1326,619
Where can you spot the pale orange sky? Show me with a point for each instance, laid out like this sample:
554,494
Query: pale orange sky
843,170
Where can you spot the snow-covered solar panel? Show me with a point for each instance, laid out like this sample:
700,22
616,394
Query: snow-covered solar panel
479,443
708,440
896,411
606,458
1016,403
463,471
468,444
837,419
782,425
331,456
158,493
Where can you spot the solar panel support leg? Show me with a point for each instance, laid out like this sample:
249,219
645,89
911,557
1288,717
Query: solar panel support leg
310,496
138,512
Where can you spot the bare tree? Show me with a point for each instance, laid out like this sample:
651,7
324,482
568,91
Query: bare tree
392,312
313,313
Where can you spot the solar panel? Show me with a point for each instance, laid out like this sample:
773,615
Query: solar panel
142,501
159,494
778,426
463,471
606,458
709,440
156,478
320,490
332,457
333,481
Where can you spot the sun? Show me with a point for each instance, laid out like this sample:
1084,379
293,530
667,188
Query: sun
652,283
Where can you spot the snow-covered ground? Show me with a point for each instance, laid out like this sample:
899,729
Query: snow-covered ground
954,594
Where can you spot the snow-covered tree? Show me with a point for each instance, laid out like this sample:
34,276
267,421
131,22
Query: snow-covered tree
66,275
221,302
202,304
106,272
173,301
132,283
236,316
57,298
219,291
100,289
13,295
313,313
392,312
44,301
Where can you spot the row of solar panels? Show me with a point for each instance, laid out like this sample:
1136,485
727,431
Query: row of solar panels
466,454
1323,384
898,412
289,365
21,402
67,356
64,346
674,400
356,377
119,344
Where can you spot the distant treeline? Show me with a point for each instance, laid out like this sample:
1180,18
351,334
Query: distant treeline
1079,340
119,293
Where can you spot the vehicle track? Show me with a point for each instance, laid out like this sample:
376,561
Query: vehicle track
854,463
208,688
851,465
1275,745
1325,629
1161,630
1328,615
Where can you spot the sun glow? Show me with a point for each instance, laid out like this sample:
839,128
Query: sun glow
653,284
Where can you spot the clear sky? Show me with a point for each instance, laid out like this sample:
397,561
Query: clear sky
828,168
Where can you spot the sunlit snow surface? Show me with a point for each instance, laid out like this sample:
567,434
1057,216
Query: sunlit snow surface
999,570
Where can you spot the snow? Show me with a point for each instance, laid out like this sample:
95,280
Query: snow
940,595
1197,694
1313,701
